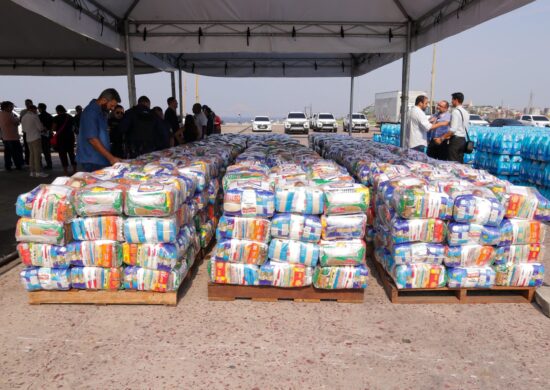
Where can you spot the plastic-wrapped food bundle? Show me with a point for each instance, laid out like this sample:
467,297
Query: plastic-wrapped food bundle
47,202
241,251
478,210
249,202
411,203
231,273
98,228
525,203
98,253
296,252
343,252
201,199
465,234
278,274
470,277
150,230
473,255
43,255
213,190
418,252
200,172
143,279
419,275
515,254
254,229
151,199
340,277
296,227
241,174
162,256
299,199
411,230
346,198
519,231
285,174
40,231
103,198
343,227
520,275
96,278
206,232
44,278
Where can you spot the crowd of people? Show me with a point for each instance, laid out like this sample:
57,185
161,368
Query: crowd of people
443,135
103,132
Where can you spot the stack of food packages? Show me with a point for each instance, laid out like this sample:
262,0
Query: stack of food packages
440,223
137,225
290,219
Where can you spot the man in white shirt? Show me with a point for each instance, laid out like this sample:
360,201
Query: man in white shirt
200,120
460,120
418,125
32,126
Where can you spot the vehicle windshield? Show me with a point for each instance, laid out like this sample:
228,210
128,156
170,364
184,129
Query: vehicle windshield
358,116
540,118
261,119
296,115
326,116
475,118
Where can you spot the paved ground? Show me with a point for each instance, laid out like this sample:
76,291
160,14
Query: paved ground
284,345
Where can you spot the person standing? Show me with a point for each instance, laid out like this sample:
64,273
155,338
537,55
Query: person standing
93,146
209,120
437,148
10,137
171,116
190,131
63,126
460,120
140,127
418,126
115,133
32,127
28,104
47,122
78,110
200,120
165,129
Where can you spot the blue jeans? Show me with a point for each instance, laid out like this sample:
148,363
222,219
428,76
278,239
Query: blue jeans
90,167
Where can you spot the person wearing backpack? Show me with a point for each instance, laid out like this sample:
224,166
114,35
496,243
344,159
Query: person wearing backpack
141,128
460,120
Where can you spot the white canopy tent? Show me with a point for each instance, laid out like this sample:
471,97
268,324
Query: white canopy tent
265,38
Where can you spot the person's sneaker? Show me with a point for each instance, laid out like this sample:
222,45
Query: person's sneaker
41,174
32,174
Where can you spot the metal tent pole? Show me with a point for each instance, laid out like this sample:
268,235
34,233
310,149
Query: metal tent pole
350,122
130,68
173,84
180,93
405,83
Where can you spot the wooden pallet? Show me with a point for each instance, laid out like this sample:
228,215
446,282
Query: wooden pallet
497,294
117,297
229,292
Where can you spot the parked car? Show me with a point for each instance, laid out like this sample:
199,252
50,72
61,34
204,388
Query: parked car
296,122
323,122
359,123
505,122
261,123
476,120
535,120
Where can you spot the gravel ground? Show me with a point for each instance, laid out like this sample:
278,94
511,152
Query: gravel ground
282,345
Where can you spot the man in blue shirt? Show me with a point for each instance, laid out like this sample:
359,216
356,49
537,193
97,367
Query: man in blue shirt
437,148
93,150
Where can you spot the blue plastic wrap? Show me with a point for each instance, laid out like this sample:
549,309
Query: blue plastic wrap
231,273
520,275
464,234
296,227
478,210
473,255
470,277
295,252
285,274
45,278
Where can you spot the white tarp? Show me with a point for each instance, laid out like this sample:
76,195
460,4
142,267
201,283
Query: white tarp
277,38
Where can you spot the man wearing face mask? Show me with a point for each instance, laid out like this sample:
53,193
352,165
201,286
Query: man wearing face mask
93,147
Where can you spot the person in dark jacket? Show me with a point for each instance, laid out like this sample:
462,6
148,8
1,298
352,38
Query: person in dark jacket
171,116
210,120
115,134
164,127
47,121
140,127
78,110
190,131
63,127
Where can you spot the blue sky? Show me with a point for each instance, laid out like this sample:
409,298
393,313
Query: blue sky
500,61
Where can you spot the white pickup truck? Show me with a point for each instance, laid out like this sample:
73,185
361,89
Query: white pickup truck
535,120
323,122
359,123
296,122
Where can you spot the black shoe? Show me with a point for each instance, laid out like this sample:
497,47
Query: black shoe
8,169
49,168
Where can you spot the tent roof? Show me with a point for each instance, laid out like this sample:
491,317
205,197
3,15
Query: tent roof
276,38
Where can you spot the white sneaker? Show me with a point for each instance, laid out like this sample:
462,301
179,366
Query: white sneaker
32,174
41,174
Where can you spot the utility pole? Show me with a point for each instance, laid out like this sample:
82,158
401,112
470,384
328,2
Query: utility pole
197,88
432,87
